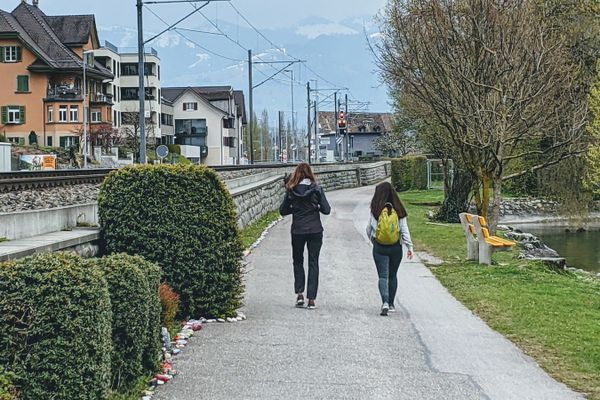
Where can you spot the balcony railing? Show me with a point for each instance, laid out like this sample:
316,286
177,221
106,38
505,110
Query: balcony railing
64,93
102,98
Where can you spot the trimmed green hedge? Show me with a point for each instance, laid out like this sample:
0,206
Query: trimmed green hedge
129,297
152,348
55,324
409,173
183,218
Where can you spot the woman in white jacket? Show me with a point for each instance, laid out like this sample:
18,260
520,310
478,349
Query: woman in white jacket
387,257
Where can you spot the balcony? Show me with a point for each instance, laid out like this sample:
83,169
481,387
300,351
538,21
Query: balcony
101,98
63,93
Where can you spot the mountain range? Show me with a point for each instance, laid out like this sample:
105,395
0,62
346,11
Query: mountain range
337,51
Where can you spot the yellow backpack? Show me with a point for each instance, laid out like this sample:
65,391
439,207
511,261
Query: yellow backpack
387,232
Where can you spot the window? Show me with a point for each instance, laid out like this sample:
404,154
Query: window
228,123
49,141
96,116
50,114
16,140
229,142
10,54
68,141
74,113
129,93
22,83
131,69
13,115
62,114
166,119
191,106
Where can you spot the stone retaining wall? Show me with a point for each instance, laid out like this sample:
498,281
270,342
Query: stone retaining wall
534,207
255,191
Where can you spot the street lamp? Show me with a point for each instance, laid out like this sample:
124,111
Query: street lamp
84,93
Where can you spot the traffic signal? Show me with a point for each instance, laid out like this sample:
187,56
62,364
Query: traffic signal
341,121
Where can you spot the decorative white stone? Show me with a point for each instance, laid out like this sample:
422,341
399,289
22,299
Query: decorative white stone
220,320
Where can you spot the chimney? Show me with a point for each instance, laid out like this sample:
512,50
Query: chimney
35,3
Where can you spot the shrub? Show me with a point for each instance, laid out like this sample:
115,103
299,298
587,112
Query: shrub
174,149
169,301
409,173
129,297
7,390
183,218
152,349
55,327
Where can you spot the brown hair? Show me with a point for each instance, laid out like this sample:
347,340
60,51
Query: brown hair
302,171
383,197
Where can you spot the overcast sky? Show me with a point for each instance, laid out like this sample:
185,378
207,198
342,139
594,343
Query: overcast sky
262,13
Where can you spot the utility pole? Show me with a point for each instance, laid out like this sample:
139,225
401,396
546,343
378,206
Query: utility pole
280,129
293,117
251,106
141,90
308,131
316,132
347,129
335,118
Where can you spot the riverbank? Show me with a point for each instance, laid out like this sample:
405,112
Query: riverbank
551,315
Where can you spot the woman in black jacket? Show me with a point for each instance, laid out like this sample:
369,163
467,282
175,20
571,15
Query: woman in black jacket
304,199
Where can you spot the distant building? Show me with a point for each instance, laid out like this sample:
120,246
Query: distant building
362,127
125,90
41,77
208,122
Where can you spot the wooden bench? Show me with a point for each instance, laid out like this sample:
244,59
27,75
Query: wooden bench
480,244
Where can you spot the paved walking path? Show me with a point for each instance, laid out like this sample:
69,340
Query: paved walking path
432,348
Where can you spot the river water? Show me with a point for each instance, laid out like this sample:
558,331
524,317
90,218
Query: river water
581,249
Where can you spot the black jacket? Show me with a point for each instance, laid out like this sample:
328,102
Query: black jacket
305,202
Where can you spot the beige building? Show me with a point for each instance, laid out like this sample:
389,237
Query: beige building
41,77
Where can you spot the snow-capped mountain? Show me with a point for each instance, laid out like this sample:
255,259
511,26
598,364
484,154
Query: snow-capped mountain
337,51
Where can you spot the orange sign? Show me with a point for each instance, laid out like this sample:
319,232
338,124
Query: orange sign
49,162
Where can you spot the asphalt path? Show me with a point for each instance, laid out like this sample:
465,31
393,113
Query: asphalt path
432,348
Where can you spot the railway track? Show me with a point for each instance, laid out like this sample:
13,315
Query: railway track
23,180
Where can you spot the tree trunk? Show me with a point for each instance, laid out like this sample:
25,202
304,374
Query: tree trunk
457,199
494,217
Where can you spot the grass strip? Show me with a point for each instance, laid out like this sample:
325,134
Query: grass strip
553,316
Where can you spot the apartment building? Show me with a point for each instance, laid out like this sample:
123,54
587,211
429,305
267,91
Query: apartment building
207,122
41,77
123,62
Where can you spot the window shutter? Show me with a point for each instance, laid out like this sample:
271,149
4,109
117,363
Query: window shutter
195,106
1,53
4,115
184,106
22,111
22,83
19,53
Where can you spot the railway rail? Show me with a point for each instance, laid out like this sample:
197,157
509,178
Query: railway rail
23,180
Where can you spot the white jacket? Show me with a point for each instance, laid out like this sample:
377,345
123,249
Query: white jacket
402,227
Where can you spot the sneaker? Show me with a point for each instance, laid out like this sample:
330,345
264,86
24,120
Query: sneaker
392,309
384,309
300,301
311,305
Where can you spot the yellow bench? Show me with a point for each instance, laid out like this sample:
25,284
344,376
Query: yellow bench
480,244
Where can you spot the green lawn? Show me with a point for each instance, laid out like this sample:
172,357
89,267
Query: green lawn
254,230
552,316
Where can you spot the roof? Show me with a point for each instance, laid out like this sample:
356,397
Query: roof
73,29
29,24
210,94
359,122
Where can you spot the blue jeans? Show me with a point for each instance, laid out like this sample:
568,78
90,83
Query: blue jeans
387,260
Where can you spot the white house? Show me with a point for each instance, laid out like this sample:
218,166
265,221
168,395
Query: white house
208,122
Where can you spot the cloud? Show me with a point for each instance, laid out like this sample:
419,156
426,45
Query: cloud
332,28
201,57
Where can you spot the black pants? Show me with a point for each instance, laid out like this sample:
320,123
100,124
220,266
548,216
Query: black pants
313,242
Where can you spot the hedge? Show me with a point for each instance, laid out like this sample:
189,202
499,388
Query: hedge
183,218
130,298
152,348
409,173
55,327
7,390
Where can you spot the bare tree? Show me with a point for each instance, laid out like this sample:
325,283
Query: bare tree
130,131
400,141
500,80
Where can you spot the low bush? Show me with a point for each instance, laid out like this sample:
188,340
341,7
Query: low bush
409,173
169,301
55,327
7,390
129,297
183,218
174,149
